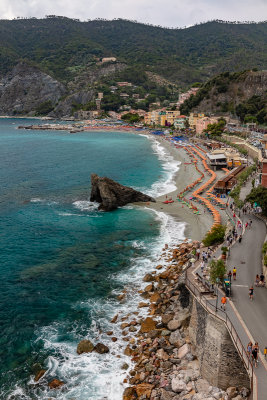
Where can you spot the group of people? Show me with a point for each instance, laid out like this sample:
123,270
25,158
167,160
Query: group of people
253,352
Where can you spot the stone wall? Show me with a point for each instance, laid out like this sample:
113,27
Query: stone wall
220,363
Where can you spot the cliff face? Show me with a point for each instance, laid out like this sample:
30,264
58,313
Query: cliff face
220,363
25,88
253,83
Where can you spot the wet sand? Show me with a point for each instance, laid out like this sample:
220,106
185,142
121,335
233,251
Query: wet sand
196,225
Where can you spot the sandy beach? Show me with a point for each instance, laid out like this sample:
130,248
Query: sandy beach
196,225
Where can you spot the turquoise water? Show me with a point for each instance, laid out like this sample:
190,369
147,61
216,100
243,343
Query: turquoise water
62,261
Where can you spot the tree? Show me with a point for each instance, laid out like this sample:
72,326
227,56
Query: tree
217,271
215,236
259,195
216,128
131,118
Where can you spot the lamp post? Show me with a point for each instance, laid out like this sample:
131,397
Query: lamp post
217,293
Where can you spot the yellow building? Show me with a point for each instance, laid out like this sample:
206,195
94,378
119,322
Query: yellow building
193,117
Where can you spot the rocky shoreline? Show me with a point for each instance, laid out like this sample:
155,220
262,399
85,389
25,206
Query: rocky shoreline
165,362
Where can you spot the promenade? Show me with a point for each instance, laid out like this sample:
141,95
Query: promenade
245,319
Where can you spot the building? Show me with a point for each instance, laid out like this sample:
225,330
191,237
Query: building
124,84
193,118
109,59
180,122
202,124
124,95
225,157
186,95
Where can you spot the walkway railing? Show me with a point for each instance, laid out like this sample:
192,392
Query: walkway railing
212,309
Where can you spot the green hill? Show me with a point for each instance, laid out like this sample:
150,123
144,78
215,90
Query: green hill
243,94
64,48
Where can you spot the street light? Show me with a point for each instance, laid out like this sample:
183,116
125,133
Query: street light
217,293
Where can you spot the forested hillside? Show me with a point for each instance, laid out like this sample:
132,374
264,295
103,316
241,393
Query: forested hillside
243,94
64,48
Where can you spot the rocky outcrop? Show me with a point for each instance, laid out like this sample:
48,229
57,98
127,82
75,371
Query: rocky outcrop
112,195
25,88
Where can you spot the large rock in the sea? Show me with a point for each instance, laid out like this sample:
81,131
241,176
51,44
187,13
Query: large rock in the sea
112,195
85,346
101,348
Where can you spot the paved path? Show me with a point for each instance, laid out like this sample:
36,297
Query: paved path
249,318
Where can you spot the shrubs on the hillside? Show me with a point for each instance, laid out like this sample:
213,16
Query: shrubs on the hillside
215,236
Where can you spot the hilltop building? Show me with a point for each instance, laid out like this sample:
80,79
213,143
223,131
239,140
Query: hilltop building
109,59
186,95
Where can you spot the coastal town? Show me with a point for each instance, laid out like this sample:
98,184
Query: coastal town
133,203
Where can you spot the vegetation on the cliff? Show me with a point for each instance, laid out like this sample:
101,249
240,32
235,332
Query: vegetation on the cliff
231,88
216,128
215,235
64,47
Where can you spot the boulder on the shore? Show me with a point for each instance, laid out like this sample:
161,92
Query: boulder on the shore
55,384
85,346
101,348
112,195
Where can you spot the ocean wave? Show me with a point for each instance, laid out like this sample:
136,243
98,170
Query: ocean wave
43,201
94,376
85,205
170,166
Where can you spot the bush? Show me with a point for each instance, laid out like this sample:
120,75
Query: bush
217,271
215,236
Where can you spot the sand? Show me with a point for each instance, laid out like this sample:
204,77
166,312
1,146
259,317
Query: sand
196,225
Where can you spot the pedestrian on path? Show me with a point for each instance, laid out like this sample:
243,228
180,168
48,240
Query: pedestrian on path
240,239
255,352
223,302
198,253
250,224
230,275
257,280
250,293
265,351
234,273
249,350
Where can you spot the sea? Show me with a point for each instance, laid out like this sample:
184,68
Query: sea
63,262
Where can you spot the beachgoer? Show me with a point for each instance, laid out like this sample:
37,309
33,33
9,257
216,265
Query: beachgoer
223,302
251,291
255,355
234,273
257,280
249,349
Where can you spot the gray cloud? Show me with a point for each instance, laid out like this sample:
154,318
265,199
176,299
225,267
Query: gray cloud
173,13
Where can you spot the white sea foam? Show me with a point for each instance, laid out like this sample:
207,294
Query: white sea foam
166,183
85,205
43,201
93,376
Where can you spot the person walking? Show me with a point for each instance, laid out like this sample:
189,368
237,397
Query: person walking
240,238
223,302
198,253
230,275
234,273
257,280
255,355
262,279
249,350
265,351
250,293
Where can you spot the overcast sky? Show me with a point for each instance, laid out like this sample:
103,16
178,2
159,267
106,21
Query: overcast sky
172,13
